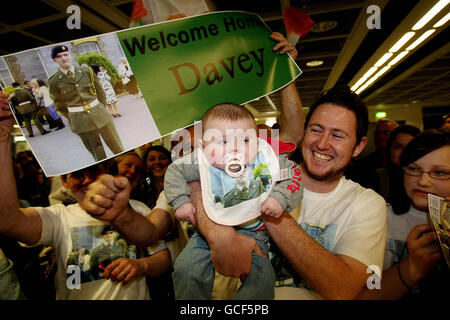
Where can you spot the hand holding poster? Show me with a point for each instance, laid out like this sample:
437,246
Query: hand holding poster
182,67
440,216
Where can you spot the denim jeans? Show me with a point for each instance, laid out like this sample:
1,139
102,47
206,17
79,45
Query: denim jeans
194,273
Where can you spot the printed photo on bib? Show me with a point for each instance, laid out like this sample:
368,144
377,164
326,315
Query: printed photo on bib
233,201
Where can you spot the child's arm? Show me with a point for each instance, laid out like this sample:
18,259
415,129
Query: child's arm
271,207
177,176
186,212
289,192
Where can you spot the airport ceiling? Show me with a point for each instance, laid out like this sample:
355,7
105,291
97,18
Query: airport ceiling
340,39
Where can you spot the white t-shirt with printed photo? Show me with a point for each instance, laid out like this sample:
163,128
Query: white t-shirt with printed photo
350,221
68,229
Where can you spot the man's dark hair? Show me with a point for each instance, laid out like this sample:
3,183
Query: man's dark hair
344,97
16,84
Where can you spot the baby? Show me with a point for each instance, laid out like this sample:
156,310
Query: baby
239,175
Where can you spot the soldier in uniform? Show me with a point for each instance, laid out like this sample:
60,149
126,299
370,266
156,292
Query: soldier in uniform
79,96
26,106
110,250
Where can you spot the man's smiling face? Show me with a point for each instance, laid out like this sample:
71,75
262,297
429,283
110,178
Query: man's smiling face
330,142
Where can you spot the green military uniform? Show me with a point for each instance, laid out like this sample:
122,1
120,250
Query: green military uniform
26,106
236,196
82,100
103,255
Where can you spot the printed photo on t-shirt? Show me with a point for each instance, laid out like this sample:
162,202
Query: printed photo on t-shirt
94,248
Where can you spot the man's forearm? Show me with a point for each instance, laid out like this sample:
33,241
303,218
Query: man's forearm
8,192
157,264
24,226
325,272
231,252
136,228
391,287
292,120
207,228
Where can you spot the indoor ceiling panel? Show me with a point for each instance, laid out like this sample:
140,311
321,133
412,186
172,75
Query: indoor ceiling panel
56,30
15,41
17,12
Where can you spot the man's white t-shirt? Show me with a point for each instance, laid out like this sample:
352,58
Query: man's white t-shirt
350,220
69,229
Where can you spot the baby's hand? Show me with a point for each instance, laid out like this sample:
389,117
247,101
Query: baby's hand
271,207
186,213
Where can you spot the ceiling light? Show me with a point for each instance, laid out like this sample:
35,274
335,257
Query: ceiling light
372,80
398,58
420,39
430,14
442,21
362,88
270,122
383,59
364,78
381,72
324,26
314,63
400,43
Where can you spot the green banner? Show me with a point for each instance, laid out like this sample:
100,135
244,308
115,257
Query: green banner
185,66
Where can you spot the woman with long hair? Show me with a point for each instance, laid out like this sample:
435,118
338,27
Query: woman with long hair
413,264
390,177
156,159
42,93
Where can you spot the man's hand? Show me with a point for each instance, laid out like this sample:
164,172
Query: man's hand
284,45
124,270
231,252
186,212
107,197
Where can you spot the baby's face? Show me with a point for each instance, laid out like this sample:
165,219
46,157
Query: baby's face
222,138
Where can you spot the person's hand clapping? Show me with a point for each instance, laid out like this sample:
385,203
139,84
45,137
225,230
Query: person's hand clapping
107,197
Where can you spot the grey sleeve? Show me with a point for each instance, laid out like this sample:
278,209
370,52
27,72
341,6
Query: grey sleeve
178,175
288,192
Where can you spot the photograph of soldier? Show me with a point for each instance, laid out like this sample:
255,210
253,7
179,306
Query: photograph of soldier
26,106
109,250
79,96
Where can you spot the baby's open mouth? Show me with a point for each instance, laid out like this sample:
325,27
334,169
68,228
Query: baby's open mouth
234,165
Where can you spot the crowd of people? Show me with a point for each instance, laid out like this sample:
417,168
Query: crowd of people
118,229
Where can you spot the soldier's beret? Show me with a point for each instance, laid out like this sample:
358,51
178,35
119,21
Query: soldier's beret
58,49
